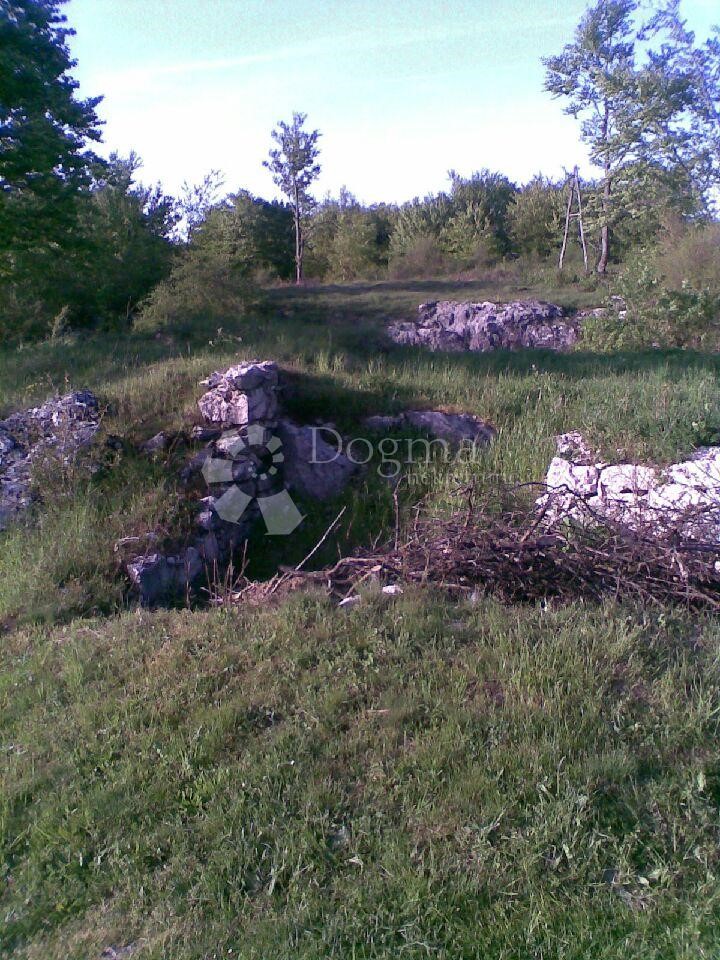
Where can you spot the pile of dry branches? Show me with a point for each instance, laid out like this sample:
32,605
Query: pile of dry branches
517,557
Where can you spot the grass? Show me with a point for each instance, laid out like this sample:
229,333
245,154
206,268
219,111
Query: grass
410,778
654,405
405,779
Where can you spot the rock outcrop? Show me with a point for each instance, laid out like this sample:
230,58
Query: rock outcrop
454,428
59,428
522,324
682,500
252,464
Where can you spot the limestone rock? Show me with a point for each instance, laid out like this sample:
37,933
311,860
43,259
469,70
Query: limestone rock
60,427
522,324
564,475
626,478
681,501
573,447
241,395
312,467
455,428
701,471
160,578
157,444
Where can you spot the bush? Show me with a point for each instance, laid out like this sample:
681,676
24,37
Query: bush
645,311
536,219
204,285
424,258
690,257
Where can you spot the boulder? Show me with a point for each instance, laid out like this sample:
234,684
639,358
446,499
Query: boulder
157,444
454,428
522,324
160,578
626,478
580,479
312,467
240,395
250,464
682,501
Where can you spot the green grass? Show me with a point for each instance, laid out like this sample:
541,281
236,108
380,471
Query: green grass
339,365
410,778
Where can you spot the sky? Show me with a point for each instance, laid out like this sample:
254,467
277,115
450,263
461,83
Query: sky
402,91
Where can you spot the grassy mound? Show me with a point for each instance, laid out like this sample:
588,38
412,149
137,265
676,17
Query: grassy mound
413,777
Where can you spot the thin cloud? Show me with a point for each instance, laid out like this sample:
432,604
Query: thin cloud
139,76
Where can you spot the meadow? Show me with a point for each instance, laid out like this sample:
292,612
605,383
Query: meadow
413,777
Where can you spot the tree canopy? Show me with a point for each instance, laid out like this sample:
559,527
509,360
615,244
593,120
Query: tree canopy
45,128
641,91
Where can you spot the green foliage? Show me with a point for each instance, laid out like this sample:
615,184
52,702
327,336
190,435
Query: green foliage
417,221
469,227
537,217
421,259
206,285
652,313
44,130
639,119
254,234
119,252
479,218
689,256
293,166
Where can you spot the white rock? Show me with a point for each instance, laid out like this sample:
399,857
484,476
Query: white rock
702,470
626,478
350,601
577,479
574,447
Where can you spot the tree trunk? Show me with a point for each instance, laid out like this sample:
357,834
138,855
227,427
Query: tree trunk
298,240
605,229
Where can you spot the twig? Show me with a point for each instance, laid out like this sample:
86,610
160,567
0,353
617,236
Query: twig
322,539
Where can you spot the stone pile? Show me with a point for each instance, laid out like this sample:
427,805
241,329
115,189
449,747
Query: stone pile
59,428
522,324
681,500
253,461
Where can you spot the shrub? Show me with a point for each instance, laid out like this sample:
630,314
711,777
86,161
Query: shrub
691,257
423,258
645,311
536,219
204,285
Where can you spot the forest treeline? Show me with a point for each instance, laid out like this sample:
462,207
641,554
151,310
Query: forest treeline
84,244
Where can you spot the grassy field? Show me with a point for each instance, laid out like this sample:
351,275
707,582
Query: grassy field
410,778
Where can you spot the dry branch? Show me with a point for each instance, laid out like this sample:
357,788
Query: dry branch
517,557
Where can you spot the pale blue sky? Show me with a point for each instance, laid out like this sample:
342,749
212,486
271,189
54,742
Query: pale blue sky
402,90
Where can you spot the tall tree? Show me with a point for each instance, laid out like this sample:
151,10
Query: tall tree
638,117
44,127
593,74
293,165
